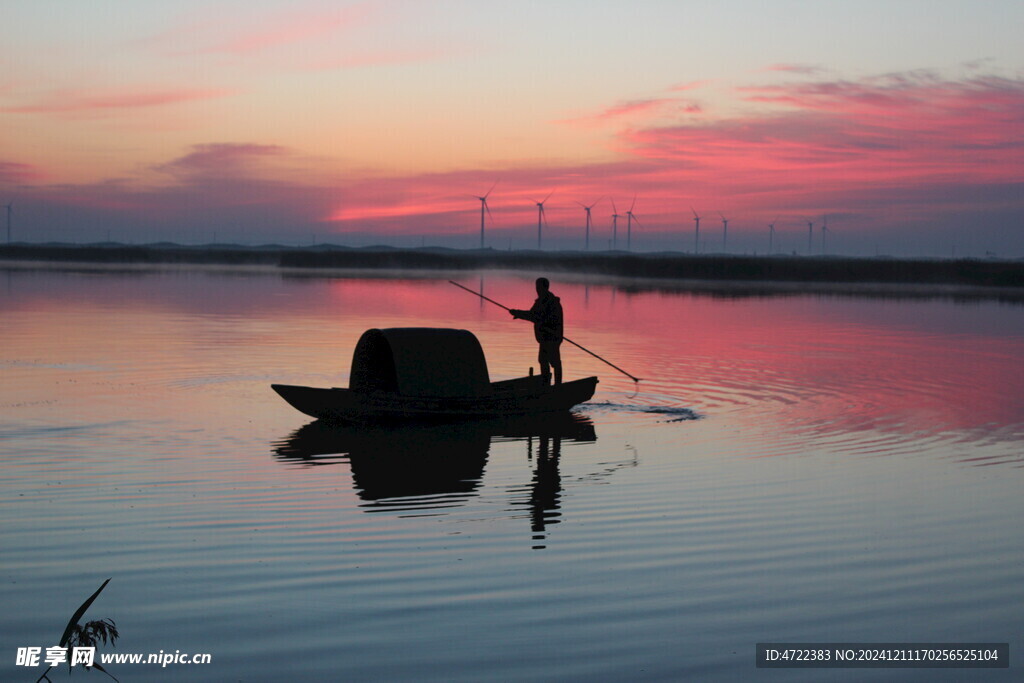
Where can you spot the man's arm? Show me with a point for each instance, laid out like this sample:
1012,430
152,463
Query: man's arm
521,314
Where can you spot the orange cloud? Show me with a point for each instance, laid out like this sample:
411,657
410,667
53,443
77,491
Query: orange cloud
76,101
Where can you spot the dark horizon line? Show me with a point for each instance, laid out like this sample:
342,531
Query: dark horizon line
236,246
677,266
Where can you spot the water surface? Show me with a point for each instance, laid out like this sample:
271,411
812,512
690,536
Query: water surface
793,468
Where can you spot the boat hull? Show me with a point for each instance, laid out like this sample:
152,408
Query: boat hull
523,396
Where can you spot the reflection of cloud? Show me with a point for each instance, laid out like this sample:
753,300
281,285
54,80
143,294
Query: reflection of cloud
75,101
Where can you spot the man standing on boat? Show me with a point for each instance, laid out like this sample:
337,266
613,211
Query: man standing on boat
546,316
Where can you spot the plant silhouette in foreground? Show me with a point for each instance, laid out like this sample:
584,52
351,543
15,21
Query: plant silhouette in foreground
89,635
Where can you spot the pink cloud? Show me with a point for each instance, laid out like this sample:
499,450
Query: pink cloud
908,140
445,203
14,172
934,126
267,32
910,115
632,107
650,107
292,30
323,38
888,152
896,148
73,101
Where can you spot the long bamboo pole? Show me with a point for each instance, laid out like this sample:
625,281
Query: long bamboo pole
581,348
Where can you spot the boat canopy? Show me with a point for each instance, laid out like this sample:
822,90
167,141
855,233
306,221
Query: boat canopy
420,361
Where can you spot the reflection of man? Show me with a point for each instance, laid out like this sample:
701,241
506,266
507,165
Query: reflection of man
546,493
546,316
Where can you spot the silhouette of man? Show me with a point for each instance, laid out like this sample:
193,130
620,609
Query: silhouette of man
546,316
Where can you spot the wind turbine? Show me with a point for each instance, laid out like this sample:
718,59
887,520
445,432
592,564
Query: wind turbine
484,207
824,233
629,224
771,235
725,230
810,235
10,208
587,209
541,216
696,231
615,225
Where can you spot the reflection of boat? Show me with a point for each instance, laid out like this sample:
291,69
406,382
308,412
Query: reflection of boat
442,461
421,373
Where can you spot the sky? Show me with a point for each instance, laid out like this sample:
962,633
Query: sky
898,125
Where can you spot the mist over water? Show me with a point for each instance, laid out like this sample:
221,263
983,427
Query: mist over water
791,468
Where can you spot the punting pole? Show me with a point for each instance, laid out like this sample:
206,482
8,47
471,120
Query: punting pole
581,348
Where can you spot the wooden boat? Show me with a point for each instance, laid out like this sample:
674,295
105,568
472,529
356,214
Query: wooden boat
427,373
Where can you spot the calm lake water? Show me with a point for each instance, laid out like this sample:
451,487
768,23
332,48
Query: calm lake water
794,468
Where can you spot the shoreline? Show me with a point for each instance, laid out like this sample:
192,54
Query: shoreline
714,272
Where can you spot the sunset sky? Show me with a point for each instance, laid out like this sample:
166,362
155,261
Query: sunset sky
376,122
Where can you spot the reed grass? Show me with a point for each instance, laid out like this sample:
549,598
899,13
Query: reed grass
89,635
